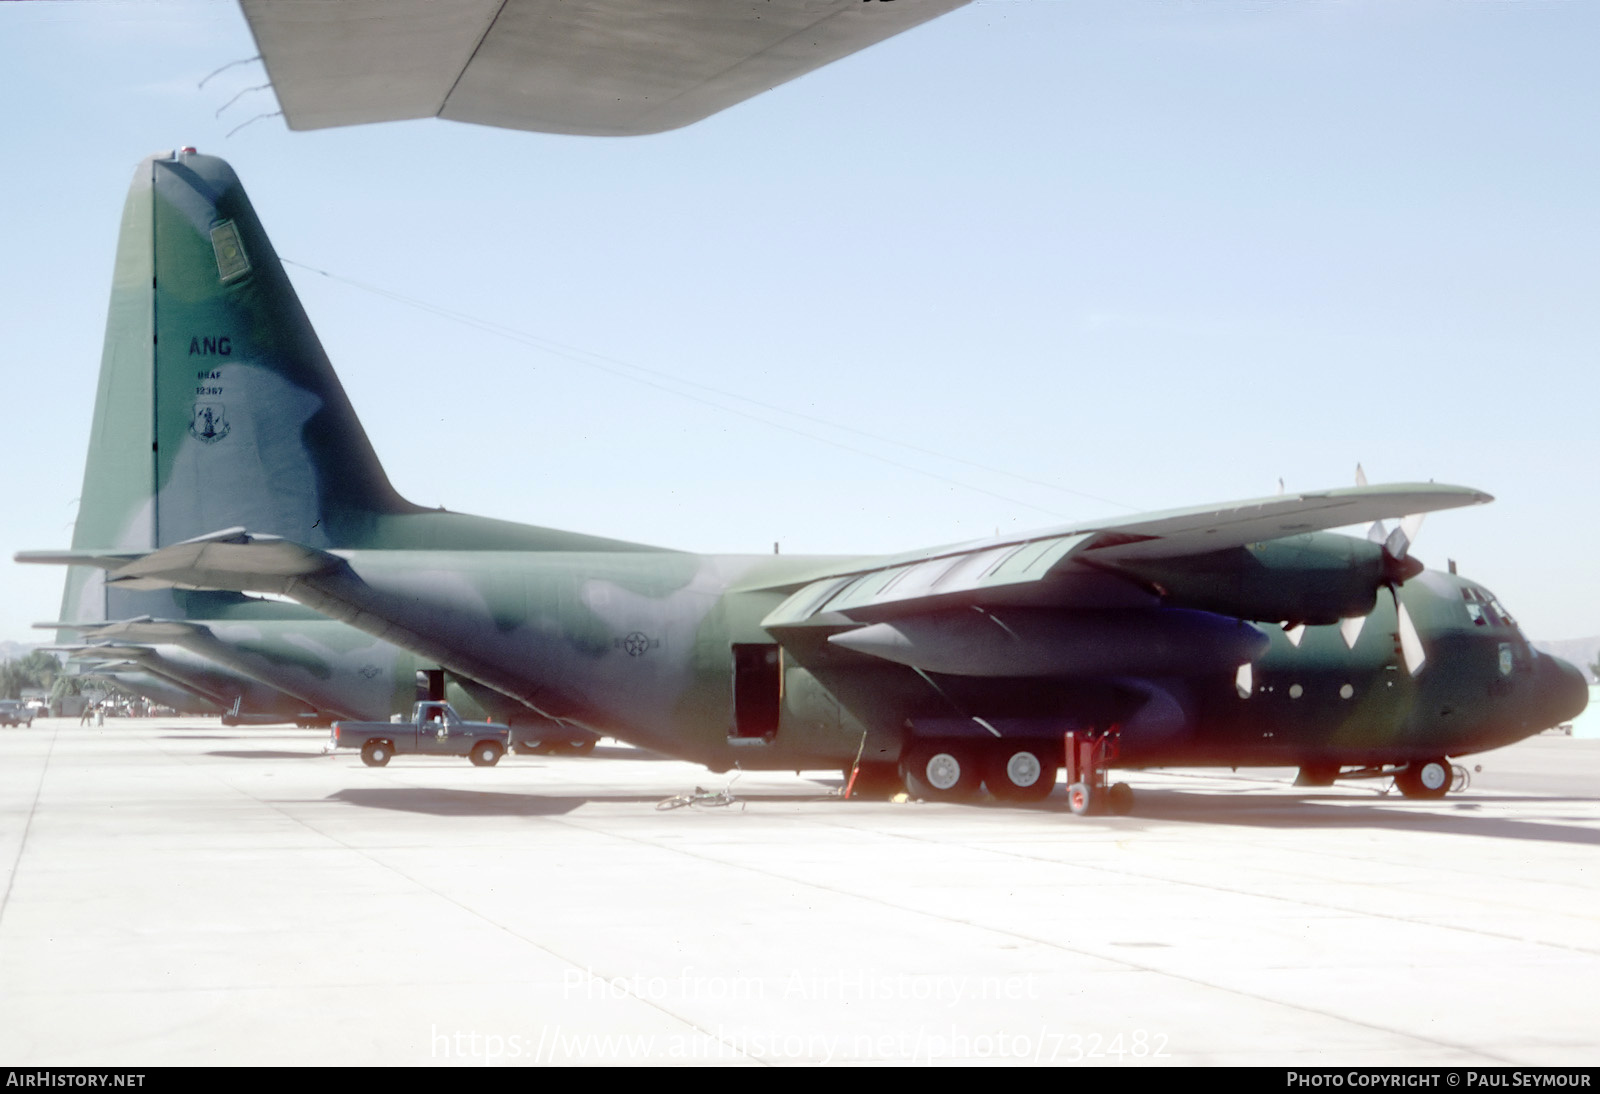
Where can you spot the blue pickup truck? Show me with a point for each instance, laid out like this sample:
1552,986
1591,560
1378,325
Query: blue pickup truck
14,712
435,729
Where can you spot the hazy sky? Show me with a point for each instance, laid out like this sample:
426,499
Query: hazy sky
1031,262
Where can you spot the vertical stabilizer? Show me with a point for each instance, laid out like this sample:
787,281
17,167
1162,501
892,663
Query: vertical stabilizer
217,406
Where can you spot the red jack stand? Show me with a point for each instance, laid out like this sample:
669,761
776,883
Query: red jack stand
1089,753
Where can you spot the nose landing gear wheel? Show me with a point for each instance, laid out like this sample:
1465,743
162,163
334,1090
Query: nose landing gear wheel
1426,778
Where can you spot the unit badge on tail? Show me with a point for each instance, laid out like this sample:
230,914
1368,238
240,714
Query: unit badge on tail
210,422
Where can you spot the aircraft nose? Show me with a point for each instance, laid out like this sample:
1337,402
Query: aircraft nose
1566,690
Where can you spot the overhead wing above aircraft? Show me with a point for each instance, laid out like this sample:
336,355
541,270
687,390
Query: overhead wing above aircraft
590,67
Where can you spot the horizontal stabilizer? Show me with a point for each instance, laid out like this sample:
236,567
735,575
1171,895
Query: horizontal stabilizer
227,560
230,560
283,670
98,651
237,561
105,560
142,629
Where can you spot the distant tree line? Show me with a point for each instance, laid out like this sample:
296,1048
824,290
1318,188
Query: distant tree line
43,671
37,670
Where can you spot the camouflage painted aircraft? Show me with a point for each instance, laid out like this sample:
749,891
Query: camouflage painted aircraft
257,665
226,461
595,67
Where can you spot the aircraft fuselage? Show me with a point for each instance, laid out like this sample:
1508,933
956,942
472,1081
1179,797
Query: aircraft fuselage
669,651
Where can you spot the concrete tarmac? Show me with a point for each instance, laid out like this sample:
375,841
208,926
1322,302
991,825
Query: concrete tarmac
174,892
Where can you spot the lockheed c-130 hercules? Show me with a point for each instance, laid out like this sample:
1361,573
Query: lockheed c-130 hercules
1233,635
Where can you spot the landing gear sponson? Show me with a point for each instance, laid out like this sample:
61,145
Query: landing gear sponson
944,769
1014,770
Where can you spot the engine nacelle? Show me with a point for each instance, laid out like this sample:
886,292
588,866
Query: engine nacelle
1316,579
1042,642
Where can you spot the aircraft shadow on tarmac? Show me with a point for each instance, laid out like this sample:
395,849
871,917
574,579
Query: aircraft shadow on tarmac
489,803
1394,814
1153,806
458,803
601,752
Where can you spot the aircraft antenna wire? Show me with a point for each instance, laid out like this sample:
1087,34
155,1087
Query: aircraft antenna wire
258,117
628,371
240,95
219,71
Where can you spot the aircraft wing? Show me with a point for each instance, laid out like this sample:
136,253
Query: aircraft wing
962,570
592,67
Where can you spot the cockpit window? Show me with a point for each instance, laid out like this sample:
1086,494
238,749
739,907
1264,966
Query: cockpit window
1485,610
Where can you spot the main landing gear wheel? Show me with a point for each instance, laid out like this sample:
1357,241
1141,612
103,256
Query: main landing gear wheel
376,753
1019,773
1425,778
943,772
485,753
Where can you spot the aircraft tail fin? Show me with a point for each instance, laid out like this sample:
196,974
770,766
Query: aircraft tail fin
217,406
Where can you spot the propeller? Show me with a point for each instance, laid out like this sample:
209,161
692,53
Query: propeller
1398,568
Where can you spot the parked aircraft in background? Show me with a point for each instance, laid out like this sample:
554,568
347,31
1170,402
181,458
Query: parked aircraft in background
226,461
